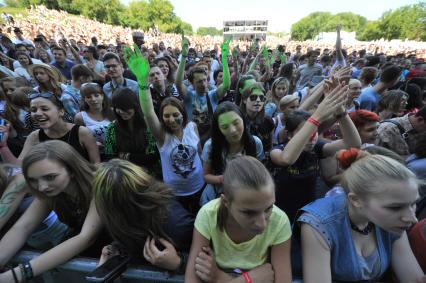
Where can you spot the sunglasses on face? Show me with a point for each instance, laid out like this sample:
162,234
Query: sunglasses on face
254,97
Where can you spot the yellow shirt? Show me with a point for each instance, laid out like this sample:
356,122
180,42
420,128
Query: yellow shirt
246,255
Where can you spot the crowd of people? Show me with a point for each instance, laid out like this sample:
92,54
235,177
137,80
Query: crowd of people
59,24
223,163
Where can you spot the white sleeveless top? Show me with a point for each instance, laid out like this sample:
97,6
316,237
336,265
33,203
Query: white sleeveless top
98,128
181,163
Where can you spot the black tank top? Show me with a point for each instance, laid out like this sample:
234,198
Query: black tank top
72,138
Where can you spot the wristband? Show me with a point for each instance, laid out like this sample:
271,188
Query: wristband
28,271
247,278
314,121
143,87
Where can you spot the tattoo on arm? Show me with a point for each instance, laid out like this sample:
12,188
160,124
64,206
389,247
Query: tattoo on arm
8,198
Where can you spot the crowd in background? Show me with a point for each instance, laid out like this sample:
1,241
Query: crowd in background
226,161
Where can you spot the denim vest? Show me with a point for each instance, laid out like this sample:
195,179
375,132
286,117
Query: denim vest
329,216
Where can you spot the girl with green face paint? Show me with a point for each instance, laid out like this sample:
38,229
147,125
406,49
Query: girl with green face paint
176,138
229,138
252,106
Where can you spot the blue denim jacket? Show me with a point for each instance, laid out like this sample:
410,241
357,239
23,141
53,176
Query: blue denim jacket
329,216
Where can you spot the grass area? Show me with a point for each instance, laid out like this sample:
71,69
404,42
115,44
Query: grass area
14,11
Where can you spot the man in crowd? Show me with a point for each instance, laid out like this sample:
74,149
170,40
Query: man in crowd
61,62
114,69
399,134
370,96
307,71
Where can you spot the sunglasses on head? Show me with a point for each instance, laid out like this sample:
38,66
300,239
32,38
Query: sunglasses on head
254,97
35,95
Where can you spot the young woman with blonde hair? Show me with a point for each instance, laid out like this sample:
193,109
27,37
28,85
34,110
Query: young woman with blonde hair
356,236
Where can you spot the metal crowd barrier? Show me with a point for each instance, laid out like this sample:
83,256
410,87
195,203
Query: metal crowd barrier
75,271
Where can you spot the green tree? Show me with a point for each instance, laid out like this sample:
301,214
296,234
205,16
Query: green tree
405,22
209,31
349,21
106,11
370,31
310,26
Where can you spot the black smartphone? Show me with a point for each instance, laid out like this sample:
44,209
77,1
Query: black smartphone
110,270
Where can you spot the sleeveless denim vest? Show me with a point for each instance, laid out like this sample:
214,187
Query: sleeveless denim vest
329,217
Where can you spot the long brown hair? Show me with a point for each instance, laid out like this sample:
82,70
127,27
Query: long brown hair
131,203
82,171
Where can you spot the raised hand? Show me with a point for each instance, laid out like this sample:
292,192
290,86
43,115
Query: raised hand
184,45
235,52
224,47
332,103
137,63
265,53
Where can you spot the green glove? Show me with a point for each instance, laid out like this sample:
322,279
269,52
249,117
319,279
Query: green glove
274,56
224,47
137,63
184,45
265,53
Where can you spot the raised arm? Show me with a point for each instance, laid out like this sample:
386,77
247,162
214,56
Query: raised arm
339,53
181,68
267,75
295,146
140,67
254,62
350,136
235,64
226,84
314,96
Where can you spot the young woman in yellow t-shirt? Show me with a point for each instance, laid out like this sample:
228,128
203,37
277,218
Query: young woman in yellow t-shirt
241,236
